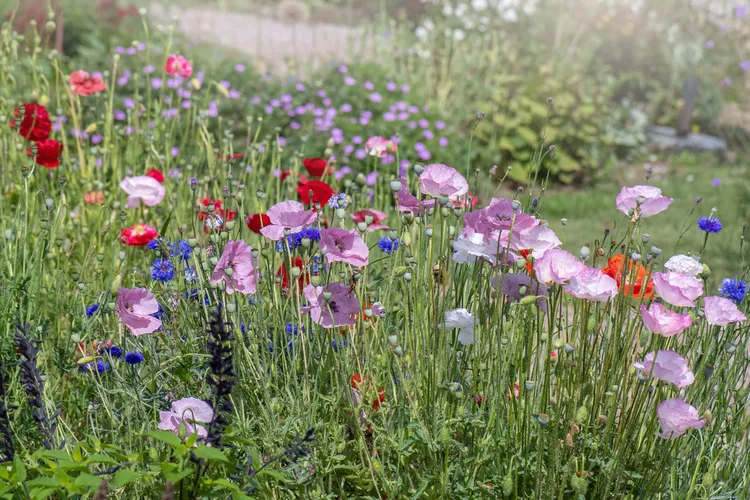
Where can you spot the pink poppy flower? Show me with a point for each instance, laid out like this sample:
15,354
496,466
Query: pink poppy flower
289,215
377,218
538,239
441,180
178,66
407,202
142,189
721,312
341,245
660,320
335,311
557,266
652,200
676,417
677,289
591,283
379,146
501,216
188,411
236,268
135,308
669,367
82,83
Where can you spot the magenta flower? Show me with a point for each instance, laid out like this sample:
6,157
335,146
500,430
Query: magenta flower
669,367
441,180
721,312
676,417
142,189
331,306
501,216
187,411
663,321
236,268
178,65
290,215
677,289
341,245
135,308
652,201
557,266
591,283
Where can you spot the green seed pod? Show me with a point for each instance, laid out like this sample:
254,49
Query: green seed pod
116,283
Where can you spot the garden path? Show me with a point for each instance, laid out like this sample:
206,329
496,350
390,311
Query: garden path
273,45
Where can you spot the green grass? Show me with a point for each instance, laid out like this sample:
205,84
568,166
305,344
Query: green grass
589,211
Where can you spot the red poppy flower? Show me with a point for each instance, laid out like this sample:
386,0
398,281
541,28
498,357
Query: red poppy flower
526,254
229,156
218,209
138,235
316,167
634,280
257,221
34,122
84,84
288,173
358,382
304,277
48,153
156,174
321,191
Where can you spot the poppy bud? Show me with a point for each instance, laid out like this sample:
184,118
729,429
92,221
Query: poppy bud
116,283
418,168
564,222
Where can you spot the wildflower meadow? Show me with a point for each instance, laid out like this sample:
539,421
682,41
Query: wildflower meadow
307,291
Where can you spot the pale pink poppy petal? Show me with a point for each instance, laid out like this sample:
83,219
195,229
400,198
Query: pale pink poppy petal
721,312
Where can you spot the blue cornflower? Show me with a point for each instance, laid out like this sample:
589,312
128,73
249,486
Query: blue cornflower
115,352
91,310
100,366
133,358
388,245
291,329
338,201
733,289
162,270
709,224
181,249
295,239
155,243
159,312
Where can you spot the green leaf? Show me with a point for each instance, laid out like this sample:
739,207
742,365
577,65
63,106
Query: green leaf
99,458
273,473
166,437
19,470
125,476
507,145
88,480
165,226
176,477
44,481
203,451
